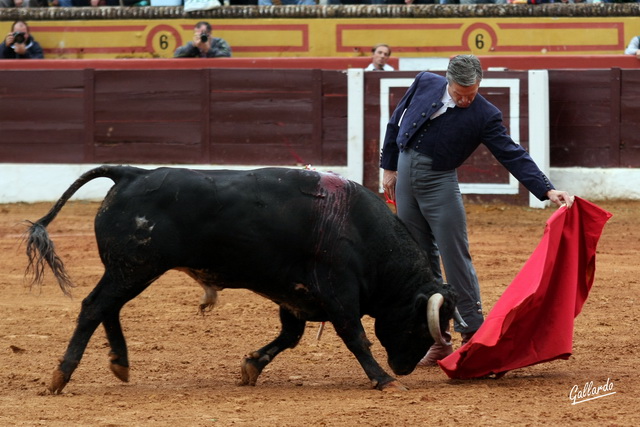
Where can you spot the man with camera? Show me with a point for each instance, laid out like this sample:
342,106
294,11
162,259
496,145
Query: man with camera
203,45
19,44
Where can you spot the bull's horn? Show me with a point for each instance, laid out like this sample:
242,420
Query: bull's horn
459,319
433,317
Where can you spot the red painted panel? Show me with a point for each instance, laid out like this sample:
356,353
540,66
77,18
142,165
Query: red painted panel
133,98
144,116
582,126
264,154
20,149
630,96
592,112
239,80
334,118
630,145
41,116
324,63
256,116
118,135
263,116
584,146
151,152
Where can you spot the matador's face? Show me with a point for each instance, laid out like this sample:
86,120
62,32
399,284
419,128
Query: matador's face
463,96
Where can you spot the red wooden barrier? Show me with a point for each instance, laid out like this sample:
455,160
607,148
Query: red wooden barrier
192,63
194,111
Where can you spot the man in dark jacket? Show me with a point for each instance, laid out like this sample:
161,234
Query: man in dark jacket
203,44
20,44
436,126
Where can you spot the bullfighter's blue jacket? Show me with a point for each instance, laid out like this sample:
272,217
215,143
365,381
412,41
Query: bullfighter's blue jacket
455,135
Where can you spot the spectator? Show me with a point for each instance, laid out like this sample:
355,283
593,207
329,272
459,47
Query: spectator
634,47
483,1
436,126
20,44
203,44
288,2
98,3
420,1
380,56
24,3
547,1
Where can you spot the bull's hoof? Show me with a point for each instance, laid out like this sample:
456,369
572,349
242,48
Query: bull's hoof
250,369
208,300
121,372
57,382
392,386
252,366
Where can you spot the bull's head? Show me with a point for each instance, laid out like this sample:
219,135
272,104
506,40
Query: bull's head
408,335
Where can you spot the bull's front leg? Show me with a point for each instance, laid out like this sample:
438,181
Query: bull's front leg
289,337
352,333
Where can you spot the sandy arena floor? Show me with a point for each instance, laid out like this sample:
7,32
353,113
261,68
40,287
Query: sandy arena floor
184,367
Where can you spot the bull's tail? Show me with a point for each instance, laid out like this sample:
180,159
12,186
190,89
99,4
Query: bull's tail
40,248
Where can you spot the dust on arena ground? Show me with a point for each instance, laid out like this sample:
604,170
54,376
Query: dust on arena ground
184,367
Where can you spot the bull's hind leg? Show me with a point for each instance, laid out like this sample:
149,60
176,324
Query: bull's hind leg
102,305
118,356
289,337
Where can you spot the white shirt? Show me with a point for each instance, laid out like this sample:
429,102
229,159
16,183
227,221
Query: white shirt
386,67
633,46
447,102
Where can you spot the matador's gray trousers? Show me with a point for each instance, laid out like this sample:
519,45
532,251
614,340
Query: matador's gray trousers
430,204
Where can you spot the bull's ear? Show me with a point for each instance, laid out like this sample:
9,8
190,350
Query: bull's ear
421,301
450,295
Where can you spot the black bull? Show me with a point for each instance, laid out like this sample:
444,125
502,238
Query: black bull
321,247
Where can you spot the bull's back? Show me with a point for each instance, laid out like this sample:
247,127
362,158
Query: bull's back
229,220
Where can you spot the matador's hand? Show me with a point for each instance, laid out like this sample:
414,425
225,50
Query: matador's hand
560,198
389,179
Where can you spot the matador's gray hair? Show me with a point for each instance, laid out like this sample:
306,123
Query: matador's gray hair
464,70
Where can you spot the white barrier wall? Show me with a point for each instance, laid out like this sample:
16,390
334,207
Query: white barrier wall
46,182
37,183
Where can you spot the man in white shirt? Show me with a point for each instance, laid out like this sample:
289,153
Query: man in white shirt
634,47
379,57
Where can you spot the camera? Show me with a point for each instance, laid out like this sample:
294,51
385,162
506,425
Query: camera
204,37
19,37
